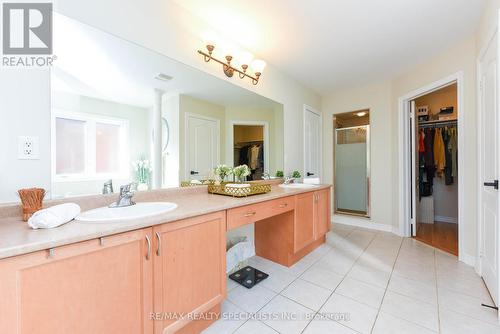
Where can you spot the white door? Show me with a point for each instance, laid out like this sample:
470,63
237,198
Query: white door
312,144
489,166
202,146
414,164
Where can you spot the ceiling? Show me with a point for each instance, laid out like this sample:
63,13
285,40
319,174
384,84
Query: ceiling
333,44
93,63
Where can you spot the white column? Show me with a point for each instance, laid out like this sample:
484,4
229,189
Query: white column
157,141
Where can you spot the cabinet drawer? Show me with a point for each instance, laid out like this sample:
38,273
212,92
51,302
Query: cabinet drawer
252,213
282,205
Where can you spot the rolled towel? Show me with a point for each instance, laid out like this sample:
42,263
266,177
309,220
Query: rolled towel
238,185
54,216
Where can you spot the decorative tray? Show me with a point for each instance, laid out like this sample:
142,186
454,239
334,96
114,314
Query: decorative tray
196,184
255,188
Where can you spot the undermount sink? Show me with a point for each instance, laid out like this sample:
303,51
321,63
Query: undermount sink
298,185
139,210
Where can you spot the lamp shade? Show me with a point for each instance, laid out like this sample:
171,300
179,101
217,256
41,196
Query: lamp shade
258,66
245,58
209,38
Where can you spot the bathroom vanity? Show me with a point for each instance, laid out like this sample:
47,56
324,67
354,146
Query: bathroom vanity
165,274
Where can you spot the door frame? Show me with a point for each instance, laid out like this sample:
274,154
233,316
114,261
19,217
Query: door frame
230,141
368,172
405,202
491,39
187,115
310,109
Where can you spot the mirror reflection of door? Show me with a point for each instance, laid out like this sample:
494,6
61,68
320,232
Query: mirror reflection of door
202,146
352,163
248,145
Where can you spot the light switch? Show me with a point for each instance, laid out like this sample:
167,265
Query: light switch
28,148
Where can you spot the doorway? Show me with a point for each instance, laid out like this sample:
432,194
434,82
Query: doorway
203,148
352,163
412,188
313,126
436,169
249,148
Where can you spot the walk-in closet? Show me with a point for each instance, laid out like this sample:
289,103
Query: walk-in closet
437,168
249,149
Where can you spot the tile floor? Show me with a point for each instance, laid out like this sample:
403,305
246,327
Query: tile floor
362,281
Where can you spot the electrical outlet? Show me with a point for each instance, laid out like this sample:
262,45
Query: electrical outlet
27,148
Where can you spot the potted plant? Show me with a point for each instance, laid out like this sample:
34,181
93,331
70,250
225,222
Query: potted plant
223,171
241,172
143,171
296,174
280,173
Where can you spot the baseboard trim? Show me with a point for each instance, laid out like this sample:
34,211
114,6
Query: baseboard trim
468,259
445,219
361,222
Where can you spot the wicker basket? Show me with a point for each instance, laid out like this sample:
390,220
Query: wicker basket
254,189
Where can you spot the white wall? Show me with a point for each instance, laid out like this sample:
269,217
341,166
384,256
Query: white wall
171,30
21,92
460,57
382,100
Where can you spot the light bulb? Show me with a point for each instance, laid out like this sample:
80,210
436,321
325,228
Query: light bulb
209,38
258,66
245,58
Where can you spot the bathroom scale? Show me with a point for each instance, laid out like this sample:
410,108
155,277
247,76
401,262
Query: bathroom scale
248,276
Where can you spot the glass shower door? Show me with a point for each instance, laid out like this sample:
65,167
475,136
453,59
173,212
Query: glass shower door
352,170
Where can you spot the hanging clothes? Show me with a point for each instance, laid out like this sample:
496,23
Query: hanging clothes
421,143
439,157
429,155
253,156
452,146
448,178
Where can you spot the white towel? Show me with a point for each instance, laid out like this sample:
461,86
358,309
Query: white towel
238,185
54,216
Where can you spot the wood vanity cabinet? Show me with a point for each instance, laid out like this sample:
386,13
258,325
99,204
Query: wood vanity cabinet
312,218
323,213
289,236
189,272
97,286
305,216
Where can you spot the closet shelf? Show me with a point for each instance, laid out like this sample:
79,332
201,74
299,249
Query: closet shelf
428,124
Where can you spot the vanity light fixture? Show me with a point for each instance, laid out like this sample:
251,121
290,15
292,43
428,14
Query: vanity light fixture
361,113
244,61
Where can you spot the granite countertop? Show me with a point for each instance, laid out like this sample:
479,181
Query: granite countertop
17,238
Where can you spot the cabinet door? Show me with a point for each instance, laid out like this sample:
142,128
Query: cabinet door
97,286
322,216
189,269
304,220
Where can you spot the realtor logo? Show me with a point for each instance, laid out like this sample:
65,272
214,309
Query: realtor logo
27,28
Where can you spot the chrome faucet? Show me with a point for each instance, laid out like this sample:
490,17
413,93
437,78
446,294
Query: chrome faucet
125,198
266,176
289,179
107,187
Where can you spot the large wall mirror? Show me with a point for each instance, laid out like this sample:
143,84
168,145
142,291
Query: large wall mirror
124,113
352,163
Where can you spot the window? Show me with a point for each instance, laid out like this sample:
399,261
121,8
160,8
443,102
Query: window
89,146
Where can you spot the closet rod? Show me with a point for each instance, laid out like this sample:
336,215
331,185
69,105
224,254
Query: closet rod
436,124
